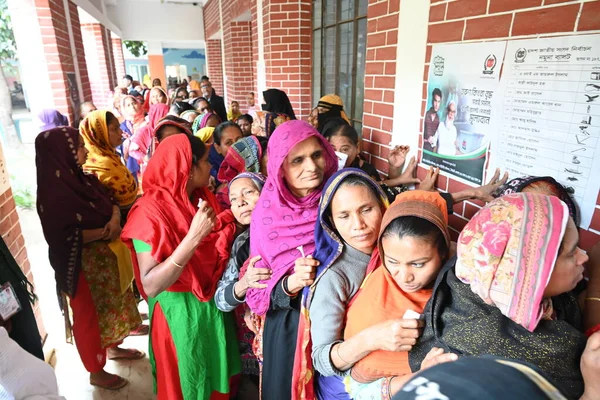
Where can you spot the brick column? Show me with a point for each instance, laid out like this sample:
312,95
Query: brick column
119,59
50,53
380,80
214,65
98,54
287,46
238,62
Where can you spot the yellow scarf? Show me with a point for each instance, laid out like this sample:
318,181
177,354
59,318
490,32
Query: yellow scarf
104,162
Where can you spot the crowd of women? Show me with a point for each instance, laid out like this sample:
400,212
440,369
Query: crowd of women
278,264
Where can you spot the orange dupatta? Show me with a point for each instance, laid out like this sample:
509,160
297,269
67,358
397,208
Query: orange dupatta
380,289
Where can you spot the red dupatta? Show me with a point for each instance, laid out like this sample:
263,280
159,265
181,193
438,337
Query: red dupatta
162,217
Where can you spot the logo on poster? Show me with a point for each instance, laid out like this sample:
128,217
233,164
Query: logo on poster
438,66
489,64
520,55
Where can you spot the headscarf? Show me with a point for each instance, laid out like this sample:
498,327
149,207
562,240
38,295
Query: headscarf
277,101
195,85
205,134
507,252
329,246
273,120
335,109
104,162
471,319
142,141
172,120
50,119
381,289
202,120
517,185
135,118
258,179
231,116
189,112
243,156
164,92
162,218
282,222
68,202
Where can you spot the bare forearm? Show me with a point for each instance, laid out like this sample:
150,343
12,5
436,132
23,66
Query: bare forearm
163,275
92,235
462,196
240,289
397,181
395,172
344,355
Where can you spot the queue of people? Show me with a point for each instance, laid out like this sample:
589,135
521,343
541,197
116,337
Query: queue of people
278,263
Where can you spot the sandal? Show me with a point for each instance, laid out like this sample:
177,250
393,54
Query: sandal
141,330
115,383
130,354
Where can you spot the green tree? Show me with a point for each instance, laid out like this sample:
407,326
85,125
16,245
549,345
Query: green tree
8,51
135,47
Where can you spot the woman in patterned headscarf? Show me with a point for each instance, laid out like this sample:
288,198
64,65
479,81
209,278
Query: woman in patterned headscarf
517,264
81,223
101,135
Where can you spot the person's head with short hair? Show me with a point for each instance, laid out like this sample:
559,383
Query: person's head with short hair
204,79
156,82
225,135
180,106
189,78
250,99
207,89
85,108
127,81
245,122
436,96
451,112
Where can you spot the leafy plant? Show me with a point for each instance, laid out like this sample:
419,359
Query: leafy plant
135,47
8,47
24,198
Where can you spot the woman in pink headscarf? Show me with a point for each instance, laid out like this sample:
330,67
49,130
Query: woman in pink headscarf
282,232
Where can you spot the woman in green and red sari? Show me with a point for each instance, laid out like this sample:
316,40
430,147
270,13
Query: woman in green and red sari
180,246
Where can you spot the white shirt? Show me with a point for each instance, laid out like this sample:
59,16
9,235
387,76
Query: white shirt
446,139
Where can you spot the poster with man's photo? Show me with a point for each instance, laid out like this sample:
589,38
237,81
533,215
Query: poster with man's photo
458,123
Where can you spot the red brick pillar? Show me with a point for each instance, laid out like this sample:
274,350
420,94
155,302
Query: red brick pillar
119,59
214,61
99,57
238,62
380,80
51,54
287,45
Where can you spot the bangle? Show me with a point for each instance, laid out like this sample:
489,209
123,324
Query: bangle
592,298
592,330
175,263
284,286
386,388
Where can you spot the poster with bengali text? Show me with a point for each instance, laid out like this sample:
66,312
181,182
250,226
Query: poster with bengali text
548,115
461,86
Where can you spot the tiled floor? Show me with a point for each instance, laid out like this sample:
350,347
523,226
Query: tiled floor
73,379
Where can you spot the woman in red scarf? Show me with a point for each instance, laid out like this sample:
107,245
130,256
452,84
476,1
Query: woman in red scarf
180,246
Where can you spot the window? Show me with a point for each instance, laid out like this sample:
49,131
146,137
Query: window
339,51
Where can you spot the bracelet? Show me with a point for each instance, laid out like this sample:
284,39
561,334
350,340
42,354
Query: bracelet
386,389
175,263
284,286
592,298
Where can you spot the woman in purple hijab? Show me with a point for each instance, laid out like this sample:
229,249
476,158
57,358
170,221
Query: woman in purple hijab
50,119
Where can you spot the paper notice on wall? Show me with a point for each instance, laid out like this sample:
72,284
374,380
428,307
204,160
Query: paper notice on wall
4,178
548,115
462,83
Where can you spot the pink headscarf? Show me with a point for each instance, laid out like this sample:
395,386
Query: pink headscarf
143,137
507,252
281,222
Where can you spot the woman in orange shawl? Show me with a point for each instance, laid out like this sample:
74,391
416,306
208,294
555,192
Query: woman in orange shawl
414,243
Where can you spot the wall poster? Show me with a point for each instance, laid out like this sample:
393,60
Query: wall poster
548,114
461,86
